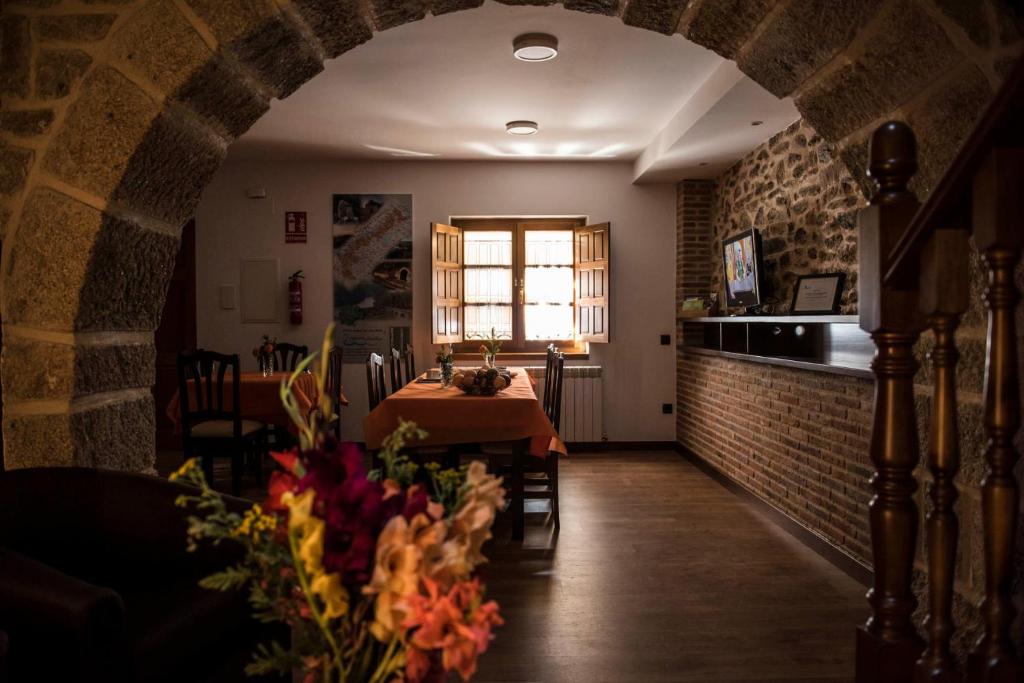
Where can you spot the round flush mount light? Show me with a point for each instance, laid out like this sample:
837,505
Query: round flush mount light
521,127
535,47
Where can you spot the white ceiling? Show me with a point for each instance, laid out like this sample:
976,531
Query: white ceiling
444,88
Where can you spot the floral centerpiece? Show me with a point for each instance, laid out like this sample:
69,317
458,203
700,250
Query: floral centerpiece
446,358
264,354
372,571
490,348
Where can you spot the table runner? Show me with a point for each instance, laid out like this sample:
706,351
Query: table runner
261,398
453,417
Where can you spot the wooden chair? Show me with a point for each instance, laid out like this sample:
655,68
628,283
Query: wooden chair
548,375
530,477
333,385
288,356
376,389
541,480
209,427
400,362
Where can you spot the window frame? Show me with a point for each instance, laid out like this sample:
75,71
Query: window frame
519,226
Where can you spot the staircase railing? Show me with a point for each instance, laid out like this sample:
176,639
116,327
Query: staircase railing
913,278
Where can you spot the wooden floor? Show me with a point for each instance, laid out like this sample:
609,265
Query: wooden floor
659,574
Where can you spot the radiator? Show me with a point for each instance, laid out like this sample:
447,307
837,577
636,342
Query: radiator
582,403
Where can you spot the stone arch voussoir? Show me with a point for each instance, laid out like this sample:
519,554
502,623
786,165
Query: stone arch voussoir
116,115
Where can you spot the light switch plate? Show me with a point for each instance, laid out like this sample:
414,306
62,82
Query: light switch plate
228,298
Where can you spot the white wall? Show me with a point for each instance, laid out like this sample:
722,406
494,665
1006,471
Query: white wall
639,373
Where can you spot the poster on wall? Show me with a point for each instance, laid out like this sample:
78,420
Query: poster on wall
372,266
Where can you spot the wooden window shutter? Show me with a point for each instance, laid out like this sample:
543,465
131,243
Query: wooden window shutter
592,262
446,273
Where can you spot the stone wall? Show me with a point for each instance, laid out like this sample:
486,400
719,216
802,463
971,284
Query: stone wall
797,192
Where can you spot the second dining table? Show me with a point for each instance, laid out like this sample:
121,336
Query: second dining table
451,417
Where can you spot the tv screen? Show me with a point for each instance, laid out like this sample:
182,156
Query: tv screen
742,257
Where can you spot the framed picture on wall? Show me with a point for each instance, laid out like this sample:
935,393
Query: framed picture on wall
817,294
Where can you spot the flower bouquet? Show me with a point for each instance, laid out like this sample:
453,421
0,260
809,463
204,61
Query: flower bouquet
372,571
446,358
490,348
264,354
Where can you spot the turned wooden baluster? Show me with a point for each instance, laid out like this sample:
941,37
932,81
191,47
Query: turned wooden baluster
888,644
944,298
998,223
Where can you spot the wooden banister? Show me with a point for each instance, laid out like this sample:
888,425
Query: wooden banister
944,298
888,644
998,217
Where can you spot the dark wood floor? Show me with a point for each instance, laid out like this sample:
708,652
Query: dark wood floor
660,574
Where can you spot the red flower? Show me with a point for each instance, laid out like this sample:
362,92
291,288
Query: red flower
280,483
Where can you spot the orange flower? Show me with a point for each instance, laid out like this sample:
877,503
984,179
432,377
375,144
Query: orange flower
454,623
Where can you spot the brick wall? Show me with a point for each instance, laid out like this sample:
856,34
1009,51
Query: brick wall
794,438
693,238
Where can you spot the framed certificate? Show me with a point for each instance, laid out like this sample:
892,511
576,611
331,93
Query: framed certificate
817,294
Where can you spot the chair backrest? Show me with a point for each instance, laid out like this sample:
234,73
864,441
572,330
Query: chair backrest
333,384
554,409
410,364
395,370
548,376
375,387
201,388
287,356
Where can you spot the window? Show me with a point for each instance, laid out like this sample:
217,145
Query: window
533,281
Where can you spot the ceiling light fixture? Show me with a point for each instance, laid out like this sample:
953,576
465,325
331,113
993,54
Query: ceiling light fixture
535,47
521,127
756,123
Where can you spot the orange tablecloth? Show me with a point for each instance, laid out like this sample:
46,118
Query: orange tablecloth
453,417
261,398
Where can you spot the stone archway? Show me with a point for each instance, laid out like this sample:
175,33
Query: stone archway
116,114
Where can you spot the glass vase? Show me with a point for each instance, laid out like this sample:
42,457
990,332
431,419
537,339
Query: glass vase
447,372
489,360
267,364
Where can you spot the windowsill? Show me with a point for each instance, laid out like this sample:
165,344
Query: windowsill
531,356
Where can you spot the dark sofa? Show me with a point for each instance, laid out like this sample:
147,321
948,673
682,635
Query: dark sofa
96,583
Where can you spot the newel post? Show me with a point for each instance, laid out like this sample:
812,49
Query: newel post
998,218
888,644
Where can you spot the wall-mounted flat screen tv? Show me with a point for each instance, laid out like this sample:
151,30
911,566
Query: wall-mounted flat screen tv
741,255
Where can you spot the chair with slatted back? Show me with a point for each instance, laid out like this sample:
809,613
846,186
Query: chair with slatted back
395,370
211,420
332,386
540,475
410,364
288,356
552,354
376,389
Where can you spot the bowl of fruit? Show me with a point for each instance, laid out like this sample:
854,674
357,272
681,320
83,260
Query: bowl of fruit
482,381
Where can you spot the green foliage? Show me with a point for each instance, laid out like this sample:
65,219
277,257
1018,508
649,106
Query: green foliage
232,578
272,660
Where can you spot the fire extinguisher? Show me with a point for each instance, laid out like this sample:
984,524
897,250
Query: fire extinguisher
295,297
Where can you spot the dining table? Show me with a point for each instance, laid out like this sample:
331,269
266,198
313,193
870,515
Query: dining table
451,417
260,398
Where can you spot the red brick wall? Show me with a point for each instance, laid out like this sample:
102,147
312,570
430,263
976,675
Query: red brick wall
794,438
693,238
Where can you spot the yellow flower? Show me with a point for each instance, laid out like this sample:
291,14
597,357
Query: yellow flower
182,471
332,593
300,508
471,525
403,549
254,523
